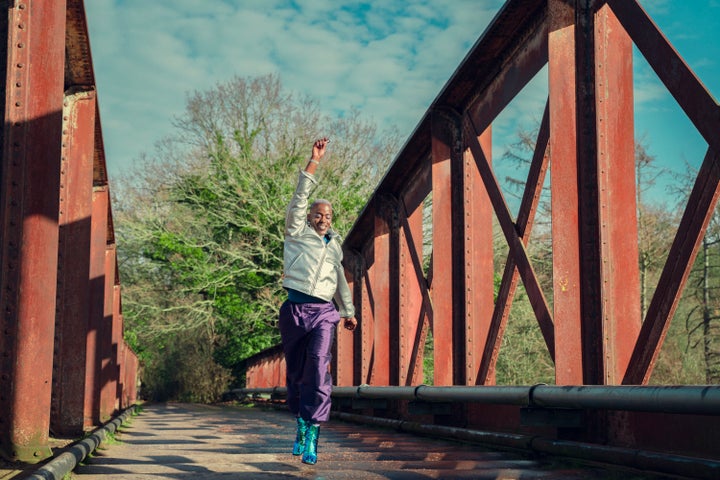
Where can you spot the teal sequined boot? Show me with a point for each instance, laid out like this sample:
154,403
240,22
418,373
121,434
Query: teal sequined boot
311,441
299,445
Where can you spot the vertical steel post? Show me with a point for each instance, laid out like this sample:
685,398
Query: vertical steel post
594,240
98,245
107,353
344,340
367,320
701,109
117,333
73,262
380,282
618,242
478,264
131,376
565,194
588,211
29,196
511,275
443,265
122,375
411,340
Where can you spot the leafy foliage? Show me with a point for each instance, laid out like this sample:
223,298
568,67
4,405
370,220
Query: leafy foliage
200,226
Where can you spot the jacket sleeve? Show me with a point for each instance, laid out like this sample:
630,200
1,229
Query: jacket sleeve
296,215
343,297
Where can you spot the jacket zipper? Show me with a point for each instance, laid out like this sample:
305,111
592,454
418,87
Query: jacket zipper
322,260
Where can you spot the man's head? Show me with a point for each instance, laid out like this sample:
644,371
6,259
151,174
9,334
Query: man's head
320,216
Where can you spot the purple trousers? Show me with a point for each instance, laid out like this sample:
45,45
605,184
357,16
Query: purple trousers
307,331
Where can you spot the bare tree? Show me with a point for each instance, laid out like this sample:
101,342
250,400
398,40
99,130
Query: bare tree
200,223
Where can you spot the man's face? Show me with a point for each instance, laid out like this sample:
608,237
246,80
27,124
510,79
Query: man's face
320,218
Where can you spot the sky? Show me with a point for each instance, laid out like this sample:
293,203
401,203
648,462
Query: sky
388,59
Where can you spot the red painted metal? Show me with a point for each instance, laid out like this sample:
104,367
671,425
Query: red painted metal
566,242
680,80
132,366
117,334
73,262
266,369
411,314
52,157
524,53
122,373
589,186
380,286
366,320
517,247
343,364
98,245
106,352
701,109
30,192
117,342
594,332
478,265
619,267
508,284
442,265
694,222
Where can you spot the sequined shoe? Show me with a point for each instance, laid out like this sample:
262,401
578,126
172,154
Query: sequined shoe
311,441
299,445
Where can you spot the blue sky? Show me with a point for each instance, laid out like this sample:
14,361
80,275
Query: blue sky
388,59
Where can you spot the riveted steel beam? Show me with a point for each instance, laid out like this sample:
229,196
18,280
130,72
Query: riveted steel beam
29,195
73,262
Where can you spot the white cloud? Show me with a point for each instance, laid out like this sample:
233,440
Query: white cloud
389,60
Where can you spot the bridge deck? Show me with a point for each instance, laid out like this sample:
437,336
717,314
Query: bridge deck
186,440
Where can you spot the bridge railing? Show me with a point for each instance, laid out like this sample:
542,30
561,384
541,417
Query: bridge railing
660,421
64,366
593,329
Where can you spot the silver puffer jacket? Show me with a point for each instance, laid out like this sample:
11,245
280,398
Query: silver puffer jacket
312,266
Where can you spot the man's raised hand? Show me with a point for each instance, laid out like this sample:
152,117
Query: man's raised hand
319,148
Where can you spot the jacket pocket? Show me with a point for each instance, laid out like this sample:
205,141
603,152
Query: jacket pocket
293,262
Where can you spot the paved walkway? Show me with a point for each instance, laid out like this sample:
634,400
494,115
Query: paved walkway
179,441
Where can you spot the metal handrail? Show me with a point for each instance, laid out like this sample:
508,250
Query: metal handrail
683,399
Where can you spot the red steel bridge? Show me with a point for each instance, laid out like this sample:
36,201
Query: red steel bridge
64,366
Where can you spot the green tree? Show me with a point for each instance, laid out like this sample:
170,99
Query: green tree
698,340
200,224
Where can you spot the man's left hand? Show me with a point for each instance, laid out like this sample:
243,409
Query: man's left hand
350,323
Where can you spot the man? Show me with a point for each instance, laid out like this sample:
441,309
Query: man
313,277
